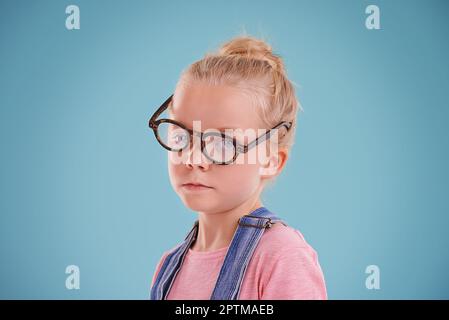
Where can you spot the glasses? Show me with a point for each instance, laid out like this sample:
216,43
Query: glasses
218,147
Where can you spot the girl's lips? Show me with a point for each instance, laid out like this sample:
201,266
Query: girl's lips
195,187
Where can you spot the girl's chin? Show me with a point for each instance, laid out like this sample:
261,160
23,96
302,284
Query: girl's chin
200,204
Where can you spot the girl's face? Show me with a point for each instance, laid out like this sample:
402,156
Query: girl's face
218,108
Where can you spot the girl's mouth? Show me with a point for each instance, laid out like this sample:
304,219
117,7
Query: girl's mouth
195,187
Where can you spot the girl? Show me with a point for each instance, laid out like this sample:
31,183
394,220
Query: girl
219,163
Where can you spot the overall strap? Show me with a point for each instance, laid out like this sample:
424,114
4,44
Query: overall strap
248,234
249,231
171,266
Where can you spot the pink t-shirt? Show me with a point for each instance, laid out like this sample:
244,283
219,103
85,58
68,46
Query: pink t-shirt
284,267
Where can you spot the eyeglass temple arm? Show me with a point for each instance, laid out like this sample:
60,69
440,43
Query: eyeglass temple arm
286,124
159,111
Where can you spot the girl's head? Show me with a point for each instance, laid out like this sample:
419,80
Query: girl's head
243,87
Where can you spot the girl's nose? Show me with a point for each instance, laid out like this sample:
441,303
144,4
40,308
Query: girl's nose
195,158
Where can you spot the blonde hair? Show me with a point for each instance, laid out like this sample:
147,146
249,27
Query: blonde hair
249,63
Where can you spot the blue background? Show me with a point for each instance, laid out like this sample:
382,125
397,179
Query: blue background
84,182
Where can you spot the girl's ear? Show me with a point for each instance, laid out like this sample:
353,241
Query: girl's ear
274,164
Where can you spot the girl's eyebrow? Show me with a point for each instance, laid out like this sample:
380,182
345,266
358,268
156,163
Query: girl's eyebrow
219,129
227,128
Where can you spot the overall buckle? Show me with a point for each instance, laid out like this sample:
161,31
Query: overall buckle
267,224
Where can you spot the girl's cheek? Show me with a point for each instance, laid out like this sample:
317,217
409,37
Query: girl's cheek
240,175
176,158
243,182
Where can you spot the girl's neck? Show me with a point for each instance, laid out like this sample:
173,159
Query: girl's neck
215,230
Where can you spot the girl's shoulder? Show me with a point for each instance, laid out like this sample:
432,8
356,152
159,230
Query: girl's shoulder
162,259
282,238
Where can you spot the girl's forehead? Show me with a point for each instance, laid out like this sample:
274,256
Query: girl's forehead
215,107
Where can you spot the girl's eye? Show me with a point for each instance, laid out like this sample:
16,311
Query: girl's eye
223,143
178,139
228,144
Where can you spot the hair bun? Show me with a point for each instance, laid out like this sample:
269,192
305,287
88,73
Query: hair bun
252,48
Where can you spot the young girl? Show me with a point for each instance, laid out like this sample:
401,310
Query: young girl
219,163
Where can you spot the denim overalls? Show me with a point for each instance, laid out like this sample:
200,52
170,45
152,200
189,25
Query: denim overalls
249,231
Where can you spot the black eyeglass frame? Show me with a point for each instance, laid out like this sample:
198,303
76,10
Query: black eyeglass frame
238,147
